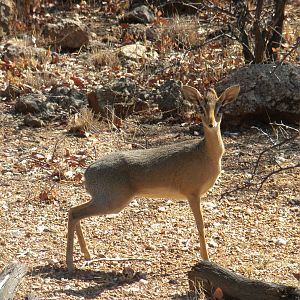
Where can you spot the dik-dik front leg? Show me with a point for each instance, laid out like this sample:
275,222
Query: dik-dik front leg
195,205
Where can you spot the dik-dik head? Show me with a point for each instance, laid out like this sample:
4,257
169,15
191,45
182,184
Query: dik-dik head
210,105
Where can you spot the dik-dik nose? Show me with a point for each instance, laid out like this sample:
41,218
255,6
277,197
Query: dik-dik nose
212,123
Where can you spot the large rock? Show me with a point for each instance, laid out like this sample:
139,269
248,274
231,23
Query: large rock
140,14
171,8
67,99
140,32
33,121
31,103
7,15
169,99
11,92
21,47
267,93
67,33
58,103
120,98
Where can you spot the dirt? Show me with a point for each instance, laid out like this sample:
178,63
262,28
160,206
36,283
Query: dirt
256,237
145,251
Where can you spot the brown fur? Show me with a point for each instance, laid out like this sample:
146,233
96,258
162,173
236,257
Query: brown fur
182,170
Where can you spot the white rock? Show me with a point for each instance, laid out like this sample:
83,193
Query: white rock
162,209
280,242
212,244
137,52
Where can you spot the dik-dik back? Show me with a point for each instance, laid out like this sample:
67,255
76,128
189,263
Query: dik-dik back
176,171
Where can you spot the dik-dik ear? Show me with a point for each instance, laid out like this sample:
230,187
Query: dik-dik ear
191,94
230,94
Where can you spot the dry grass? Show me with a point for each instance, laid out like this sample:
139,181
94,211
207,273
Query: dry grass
101,58
184,31
83,121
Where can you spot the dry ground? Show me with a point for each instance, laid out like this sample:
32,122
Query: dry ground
258,238
40,179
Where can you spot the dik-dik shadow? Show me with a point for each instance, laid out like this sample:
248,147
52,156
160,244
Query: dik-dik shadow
99,281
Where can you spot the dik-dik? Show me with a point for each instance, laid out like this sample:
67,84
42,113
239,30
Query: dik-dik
181,170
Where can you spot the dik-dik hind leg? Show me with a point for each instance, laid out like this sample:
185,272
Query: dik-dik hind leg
75,215
82,242
196,209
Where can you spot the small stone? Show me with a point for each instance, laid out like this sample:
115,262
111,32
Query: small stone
53,261
249,211
162,209
150,247
212,244
134,203
185,243
128,273
173,281
210,205
141,14
295,201
280,242
136,52
143,281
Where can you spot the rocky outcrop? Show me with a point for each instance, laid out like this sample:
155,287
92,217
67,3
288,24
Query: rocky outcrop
268,92
140,14
31,103
170,100
121,98
67,33
21,47
57,104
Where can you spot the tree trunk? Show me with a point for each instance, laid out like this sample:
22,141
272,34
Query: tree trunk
259,36
276,28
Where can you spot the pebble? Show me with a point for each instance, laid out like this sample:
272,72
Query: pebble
143,281
162,209
280,242
249,211
210,205
212,244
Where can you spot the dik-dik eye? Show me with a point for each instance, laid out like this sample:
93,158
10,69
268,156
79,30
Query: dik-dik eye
218,110
201,110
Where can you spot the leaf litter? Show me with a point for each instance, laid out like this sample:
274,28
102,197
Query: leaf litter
145,251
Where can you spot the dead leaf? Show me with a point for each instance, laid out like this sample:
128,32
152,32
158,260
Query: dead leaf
43,196
77,81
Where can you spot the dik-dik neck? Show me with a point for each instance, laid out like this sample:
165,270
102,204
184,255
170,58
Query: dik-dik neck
213,142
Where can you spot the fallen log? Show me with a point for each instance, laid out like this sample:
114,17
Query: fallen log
209,276
10,278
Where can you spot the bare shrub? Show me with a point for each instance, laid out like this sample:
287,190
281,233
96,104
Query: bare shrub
101,58
83,121
183,31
